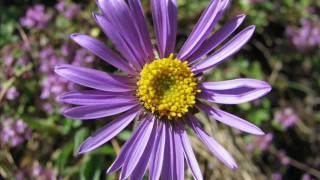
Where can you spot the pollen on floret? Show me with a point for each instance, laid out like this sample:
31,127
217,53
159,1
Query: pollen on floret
167,87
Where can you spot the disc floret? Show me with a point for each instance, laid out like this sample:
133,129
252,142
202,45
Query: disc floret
167,87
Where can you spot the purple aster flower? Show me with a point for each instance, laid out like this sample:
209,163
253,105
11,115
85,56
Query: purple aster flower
286,117
161,90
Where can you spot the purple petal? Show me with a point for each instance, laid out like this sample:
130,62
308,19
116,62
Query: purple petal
94,79
217,38
97,111
106,133
226,51
157,155
202,29
234,91
117,40
164,14
98,48
178,154
213,146
137,149
190,157
94,97
119,15
117,164
230,119
141,167
137,12
167,167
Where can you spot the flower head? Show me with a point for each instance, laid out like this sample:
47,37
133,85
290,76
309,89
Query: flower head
163,89
167,87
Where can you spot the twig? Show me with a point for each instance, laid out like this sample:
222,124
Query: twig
298,164
115,146
275,73
9,83
6,87
23,34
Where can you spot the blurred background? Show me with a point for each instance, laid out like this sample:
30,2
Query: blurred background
38,143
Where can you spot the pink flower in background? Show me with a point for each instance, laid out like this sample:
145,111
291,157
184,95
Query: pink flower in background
260,142
35,171
307,36
13,133
36,17
69,10
284,159
306,177
8,59
276,176
12,93
38,171
286,117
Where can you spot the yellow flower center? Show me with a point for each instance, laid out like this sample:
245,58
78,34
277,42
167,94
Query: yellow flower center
167,87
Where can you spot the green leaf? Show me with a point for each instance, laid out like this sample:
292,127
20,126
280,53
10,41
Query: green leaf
79,137
124,135
64,155
259,116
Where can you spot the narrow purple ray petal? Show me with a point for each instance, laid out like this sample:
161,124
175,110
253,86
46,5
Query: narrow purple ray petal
230,119
217,38
117,164
190,157
97,111
137,149
94,79
106,133
213,146
125,24
202,29
164,14
137,11
157,154
141,167
93,97
98,48
234,91
167,166
119,42
226,51
178,154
